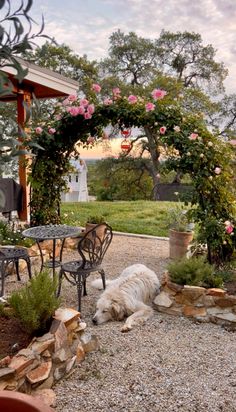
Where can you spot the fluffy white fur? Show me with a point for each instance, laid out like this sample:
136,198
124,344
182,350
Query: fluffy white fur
128,297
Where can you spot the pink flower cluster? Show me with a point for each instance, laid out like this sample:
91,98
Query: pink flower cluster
132,99
158,94
85,109
193,136
229,227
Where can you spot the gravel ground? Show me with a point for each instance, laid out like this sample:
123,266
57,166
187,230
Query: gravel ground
169,364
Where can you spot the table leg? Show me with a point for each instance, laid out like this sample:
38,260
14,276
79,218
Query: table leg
41,254
53,258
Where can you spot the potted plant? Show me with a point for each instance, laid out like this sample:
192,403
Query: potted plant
180,232
93,221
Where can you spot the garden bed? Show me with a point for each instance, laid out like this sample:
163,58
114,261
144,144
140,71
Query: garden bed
206,305
44,360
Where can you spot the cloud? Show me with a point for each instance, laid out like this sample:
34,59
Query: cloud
86,26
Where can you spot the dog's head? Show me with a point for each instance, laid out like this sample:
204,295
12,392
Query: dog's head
108,309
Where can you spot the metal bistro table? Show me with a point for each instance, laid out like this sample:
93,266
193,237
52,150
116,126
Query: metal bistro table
54,233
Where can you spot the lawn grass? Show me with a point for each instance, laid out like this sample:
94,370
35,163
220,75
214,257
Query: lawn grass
142,217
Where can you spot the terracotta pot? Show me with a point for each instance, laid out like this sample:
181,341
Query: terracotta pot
20,402
99,231
178,243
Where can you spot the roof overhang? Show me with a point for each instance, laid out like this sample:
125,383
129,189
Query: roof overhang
44,83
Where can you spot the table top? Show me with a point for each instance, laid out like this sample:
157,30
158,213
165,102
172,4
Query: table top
51,232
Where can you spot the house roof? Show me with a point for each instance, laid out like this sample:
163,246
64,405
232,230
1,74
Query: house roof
44,83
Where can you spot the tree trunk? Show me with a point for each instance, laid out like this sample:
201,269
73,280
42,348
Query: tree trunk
154,166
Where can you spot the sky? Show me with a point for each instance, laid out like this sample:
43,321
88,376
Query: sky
86,25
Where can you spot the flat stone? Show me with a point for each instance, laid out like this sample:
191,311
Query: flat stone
59,372
6,373
89,342
174,286
59,331
216,310
193,311
40,346
66,315
81,327
173,310
206,300
70,363
225,301
216,292
193,292
19,363
80,353
163,300
231,317
47,384
40,373
62,355
47,396
5,361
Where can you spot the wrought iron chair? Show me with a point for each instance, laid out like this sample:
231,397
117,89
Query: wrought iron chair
8,255
92,248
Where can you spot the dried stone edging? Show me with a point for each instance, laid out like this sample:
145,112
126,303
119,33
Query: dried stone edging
205,305
48,358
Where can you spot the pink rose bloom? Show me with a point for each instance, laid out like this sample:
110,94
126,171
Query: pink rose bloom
193,136
217,170
74,111
229,229
149,107
158,94
72,97
58,117
162,130
51,130
177,129
81,110
116,91
90,140
87,115
132,99
96,88
107,102
38,130
84,102
66,102
91,108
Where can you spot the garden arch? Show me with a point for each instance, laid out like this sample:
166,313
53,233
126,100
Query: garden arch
194,150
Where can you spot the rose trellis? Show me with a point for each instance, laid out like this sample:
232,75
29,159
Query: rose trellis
81,120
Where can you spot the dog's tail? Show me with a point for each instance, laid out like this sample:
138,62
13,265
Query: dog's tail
97,283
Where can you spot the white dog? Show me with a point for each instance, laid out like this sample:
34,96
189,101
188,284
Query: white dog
128,296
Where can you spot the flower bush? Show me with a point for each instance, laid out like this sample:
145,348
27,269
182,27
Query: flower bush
80,120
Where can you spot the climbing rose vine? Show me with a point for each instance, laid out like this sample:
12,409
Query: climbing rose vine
80,120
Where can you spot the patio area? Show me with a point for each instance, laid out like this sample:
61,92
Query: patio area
168,364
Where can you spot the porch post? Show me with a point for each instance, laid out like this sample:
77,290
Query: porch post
24,97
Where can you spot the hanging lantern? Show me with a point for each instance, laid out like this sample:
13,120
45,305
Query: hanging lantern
125,145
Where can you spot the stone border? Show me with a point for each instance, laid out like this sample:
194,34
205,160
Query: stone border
205,305
48,358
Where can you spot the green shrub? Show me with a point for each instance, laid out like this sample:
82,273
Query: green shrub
96,219
35,303
195,271
10,237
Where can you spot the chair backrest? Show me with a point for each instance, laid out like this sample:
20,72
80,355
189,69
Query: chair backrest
94,244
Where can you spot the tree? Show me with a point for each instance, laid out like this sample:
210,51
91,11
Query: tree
131,58
183,56
177,63
61,59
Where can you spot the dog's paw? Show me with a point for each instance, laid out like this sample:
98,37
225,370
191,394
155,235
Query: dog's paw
125,328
